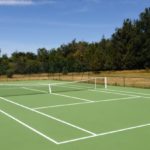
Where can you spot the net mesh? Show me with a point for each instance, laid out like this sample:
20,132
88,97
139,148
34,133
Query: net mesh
22,89
78,85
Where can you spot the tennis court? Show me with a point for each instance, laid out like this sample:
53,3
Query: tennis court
59,115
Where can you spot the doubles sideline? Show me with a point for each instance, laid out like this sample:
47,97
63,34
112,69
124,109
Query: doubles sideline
29,127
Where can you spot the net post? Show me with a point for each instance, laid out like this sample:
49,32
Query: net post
105,82
50,89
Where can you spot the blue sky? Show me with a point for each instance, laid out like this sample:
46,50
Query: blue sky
26,25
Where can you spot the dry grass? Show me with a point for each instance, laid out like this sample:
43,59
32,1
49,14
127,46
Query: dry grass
134,78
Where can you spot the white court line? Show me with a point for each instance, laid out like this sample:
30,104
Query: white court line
122,93
129,92
29,127
82,99
72,104
145,97
119,99
77,139
107,91
48,116
53,106
105,133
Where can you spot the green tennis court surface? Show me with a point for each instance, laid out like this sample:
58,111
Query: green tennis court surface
116,118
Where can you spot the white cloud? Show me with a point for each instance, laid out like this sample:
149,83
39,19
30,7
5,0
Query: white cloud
16,2
25,2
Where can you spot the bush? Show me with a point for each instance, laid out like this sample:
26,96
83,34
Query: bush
9,74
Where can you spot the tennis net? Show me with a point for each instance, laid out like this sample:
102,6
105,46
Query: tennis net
7,90
22,89
94,83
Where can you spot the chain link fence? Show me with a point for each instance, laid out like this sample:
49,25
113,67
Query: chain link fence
142,82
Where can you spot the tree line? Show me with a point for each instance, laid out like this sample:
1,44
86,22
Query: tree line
128,48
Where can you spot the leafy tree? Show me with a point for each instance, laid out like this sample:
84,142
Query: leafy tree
128,48
4,64
43,59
